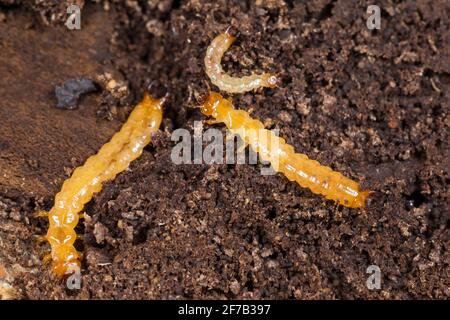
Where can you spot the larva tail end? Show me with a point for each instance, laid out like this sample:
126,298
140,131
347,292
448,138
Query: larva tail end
271,80
360,200
40,239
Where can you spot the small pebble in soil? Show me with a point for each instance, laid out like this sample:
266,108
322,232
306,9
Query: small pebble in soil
409,204
70,92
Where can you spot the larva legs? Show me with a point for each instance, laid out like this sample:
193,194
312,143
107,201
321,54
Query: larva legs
41,239
212,122
47,259
40,214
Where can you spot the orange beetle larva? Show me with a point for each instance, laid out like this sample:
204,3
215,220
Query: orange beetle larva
295,166
218,77
112,158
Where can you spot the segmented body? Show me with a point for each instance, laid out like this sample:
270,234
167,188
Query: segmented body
112,158
218,77
295,166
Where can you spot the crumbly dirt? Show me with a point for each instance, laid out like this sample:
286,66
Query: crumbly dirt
373,105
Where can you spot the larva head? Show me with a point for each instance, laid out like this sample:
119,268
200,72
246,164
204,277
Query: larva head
228,40
209,107
270,80
152,103
228,37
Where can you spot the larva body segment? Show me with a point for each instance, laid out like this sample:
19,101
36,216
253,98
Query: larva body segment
112,158
295,166
218,77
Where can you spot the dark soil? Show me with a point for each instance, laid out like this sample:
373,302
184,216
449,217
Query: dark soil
373,105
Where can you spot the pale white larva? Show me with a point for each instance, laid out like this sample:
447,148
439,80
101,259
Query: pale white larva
223,81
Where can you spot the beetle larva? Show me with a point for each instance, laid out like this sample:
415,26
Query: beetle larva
295,166
218,77
112,158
